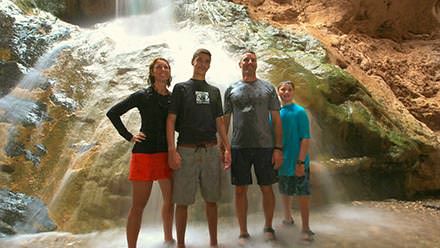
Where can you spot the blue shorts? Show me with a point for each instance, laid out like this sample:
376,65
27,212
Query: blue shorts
260,158
293,185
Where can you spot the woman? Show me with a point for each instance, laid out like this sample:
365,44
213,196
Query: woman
294,173
149,156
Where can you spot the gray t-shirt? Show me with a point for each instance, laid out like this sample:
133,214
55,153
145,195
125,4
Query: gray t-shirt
250,105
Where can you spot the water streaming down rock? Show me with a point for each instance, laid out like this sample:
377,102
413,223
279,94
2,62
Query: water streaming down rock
20,214
18,106
125,58
139,7
88,190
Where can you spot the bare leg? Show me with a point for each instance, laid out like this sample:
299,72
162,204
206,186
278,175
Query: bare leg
141,191
287,207
241,206
181,218
304,207
167,209
211,214
268,204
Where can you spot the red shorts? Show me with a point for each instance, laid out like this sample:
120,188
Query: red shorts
149,167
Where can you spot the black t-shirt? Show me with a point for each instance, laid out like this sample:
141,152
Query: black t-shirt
153,109
197,105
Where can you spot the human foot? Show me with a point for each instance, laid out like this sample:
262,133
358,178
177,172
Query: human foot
269,233
288,222
243,239
306,236
169,243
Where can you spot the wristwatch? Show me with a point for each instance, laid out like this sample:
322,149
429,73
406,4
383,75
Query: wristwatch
300,161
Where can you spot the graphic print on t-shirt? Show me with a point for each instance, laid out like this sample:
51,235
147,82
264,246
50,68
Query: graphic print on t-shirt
202,97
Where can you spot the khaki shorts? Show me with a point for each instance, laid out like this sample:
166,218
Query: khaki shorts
200,166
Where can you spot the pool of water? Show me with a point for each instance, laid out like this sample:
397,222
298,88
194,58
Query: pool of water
388,223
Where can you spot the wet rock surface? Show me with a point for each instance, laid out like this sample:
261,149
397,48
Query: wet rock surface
356,224
7,168
82,12
23,111
27,38
35,154
13,147
98,68
64,101
20,214
10,75
379,43
396,66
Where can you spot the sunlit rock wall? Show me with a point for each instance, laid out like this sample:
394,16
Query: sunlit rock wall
73,159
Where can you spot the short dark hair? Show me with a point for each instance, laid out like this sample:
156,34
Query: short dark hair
286,82
248,51
151,78
198,52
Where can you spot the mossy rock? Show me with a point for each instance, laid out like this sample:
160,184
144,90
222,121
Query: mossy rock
352,123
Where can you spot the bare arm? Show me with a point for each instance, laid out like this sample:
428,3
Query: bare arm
224,143
277,157
227,121
171,127
174,159
304,148
221,129
278,128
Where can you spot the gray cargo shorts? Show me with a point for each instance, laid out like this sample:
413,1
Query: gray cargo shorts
200,167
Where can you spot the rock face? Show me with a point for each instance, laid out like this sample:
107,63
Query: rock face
83,165
23,40
21,214
379,42
387,19
87,11
83,12
10,74
395,58
26,39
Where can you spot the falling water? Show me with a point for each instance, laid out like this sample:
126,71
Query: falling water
139,7
35,77
129,36
120,52
18,105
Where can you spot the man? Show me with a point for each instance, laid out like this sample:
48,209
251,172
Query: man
252,101
196,113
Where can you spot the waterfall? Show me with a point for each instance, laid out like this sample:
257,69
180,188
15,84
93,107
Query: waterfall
138,7
35,77
87,163
120,52
17,105
83,176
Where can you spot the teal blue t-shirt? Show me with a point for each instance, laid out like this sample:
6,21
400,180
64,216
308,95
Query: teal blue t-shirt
295,128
